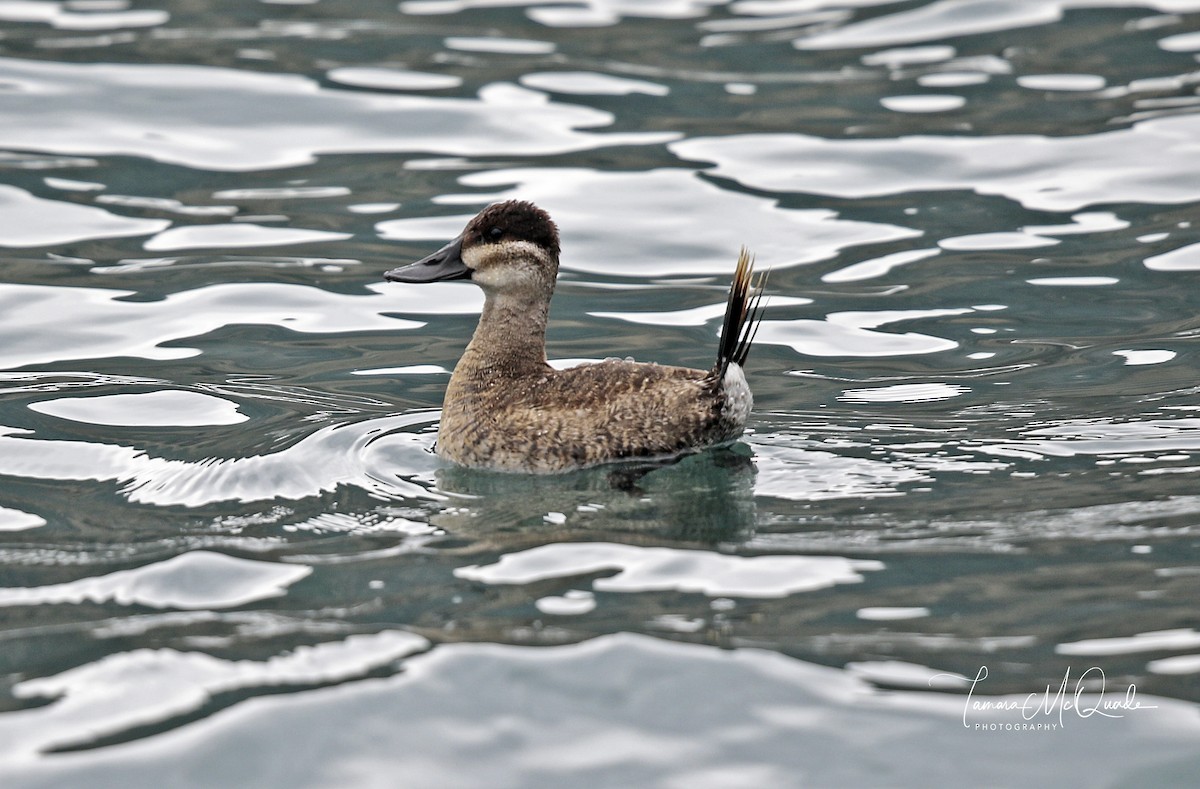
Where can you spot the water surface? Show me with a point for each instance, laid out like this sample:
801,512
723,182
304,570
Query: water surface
228,555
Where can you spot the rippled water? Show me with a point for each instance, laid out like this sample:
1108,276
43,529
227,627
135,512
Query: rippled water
229,556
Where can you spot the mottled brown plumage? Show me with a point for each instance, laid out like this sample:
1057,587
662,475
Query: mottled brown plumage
506,409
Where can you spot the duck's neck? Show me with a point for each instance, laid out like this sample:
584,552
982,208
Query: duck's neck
510,340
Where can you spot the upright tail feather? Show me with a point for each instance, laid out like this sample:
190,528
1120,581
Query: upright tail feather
742,314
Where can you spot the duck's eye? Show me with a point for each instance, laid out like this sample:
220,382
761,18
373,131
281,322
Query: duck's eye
494,233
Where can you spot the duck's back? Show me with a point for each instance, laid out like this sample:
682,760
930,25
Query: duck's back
556,420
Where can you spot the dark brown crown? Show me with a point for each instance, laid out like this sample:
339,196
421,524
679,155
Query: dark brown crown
513,220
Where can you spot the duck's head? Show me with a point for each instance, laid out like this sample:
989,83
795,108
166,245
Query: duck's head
508,246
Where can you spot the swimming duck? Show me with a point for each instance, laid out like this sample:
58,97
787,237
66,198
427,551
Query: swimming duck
507,409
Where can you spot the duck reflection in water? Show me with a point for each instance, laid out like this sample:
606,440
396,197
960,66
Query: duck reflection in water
705,497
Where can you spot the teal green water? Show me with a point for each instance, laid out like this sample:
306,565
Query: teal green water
228,555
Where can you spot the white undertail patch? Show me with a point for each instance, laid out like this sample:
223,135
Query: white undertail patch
735,394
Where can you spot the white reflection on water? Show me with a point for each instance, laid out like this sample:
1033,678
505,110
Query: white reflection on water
198,579
106,109
391,78
1156,161
696,316
878,267
499,45
412,369
910,56
552,13
16,520
1070,82
505,716
1181,42
78,16
589,83
964,17
103,324
372,455
1179,664
952,79
881,613
816,476
1155,641
163,408
656,569
1073,282
644,223
1007,534
29,221
852,334
1102,437
72,185
129,689
574,602
904,393
1145,356
282,193
978,241
236,237
930,103
1183,259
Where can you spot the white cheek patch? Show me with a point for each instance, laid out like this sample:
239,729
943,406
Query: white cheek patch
505,265
500,277
495,278
473,256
